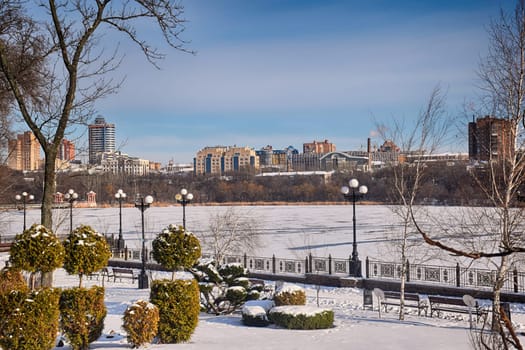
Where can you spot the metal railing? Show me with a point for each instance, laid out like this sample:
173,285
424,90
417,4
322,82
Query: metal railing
454,276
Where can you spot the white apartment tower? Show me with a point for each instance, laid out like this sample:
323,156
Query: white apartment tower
101,138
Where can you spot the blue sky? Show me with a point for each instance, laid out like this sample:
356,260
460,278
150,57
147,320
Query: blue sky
286,72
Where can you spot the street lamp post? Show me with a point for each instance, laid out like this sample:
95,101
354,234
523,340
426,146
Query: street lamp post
352,194
184,198
71,196
24,197
143,203
120,196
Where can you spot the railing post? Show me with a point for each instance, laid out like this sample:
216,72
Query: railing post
367,268
273,264
329,264
310,261
245,261
408,271
458,275
515,277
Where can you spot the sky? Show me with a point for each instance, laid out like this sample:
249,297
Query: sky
280,73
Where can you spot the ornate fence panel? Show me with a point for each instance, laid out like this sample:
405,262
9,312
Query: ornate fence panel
433,274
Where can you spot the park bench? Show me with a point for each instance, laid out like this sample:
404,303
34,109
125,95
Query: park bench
104,273
412,300
439,304
121,273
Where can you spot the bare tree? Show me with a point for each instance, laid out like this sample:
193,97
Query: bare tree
66,43
230,232
502,77
415,142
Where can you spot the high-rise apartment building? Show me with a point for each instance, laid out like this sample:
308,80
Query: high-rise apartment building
101,138
24,152
318,147
490,138
66,150
221,159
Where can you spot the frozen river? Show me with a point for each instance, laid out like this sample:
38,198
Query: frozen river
287,231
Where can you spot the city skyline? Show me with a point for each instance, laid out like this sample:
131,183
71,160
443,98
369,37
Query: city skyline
285,73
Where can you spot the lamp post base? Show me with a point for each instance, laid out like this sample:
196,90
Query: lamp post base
143,280
121,243
355,268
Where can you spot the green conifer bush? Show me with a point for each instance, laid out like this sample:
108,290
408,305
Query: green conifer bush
12,279
141,322
37,249
82,314
29,320
179,307
86,251
174,248
302,317
290,294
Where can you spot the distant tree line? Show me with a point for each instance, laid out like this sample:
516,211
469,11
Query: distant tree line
442,185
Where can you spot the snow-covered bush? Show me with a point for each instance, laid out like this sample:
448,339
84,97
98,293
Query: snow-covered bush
302,317
174,248
37,249
86,252
82,314
236,296
232,272
255,312
12,279
289,294
141,322
29,320
224,288
178,303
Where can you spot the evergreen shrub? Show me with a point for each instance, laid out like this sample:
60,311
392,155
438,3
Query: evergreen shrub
301,317
29,319
254,316
290,294
231,272
37,249
82,314
255,312
86,251
12,279
141,322
174,248
236,295
179,307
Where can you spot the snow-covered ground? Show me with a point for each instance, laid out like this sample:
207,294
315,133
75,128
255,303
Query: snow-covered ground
286,231
354,327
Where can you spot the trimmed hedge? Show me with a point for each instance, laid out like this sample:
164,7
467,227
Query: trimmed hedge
82,314
86,252
290,294
255,312
37,249
254,316
302,317
12,279
29,319
174,248
179,306
141,322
